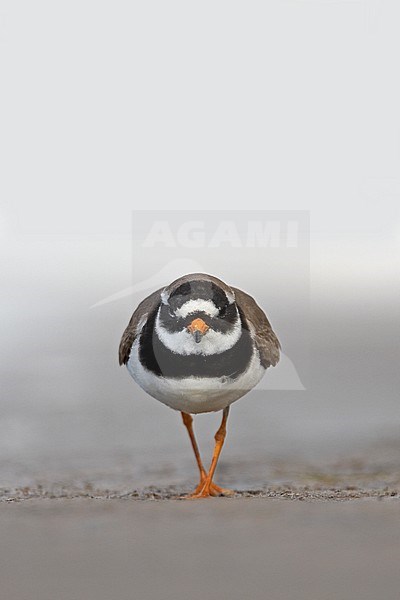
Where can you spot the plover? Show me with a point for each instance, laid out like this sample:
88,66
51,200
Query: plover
197,345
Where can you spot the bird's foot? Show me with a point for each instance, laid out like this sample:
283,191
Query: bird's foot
205,489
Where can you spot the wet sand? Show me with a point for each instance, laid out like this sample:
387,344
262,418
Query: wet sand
98,549
312,532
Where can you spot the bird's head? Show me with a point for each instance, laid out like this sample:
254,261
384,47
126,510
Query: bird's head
198,315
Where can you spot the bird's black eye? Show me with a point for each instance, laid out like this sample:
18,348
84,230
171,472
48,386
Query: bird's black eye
171,313
222,312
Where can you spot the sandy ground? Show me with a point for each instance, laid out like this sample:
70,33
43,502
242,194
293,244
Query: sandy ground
317,532
98,549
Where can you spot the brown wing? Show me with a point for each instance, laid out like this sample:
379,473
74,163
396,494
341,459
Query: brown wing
128,337
266,341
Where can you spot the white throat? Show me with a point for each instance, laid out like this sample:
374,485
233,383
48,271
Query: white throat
213,342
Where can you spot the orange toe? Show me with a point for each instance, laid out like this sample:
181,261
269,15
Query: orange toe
205,489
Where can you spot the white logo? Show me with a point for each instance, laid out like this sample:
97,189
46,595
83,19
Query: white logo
253,234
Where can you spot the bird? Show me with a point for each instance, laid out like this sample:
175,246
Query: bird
197,345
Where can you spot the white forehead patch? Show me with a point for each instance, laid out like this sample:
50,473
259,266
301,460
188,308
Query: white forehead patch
199,305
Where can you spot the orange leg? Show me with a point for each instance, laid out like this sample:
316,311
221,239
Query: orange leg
188,420
206,486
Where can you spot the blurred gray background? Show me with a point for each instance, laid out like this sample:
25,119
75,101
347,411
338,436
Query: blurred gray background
109,109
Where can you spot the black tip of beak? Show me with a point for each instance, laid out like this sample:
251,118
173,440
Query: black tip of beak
197,336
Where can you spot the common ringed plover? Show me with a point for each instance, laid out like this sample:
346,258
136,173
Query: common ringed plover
198,345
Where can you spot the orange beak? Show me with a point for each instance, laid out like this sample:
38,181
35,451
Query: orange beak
198,328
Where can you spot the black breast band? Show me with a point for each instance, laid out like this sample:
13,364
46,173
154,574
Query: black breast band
161,361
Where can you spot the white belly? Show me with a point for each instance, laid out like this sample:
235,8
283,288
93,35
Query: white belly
194,394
